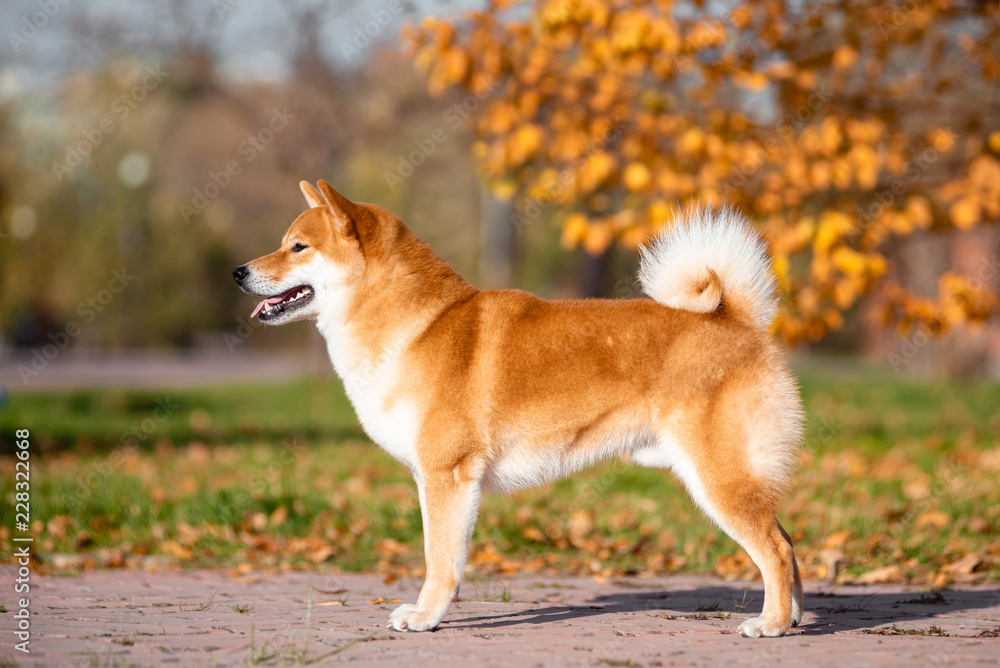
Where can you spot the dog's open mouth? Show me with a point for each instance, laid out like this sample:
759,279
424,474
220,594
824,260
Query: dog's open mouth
272,307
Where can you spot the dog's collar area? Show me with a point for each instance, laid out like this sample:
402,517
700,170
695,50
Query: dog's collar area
272,307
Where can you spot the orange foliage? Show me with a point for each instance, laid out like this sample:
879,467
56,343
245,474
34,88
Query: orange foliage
837,126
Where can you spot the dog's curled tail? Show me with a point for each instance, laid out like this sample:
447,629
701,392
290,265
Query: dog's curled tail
711,258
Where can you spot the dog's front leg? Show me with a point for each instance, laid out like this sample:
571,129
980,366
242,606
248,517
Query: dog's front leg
449,503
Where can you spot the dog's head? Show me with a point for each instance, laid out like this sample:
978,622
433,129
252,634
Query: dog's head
320,261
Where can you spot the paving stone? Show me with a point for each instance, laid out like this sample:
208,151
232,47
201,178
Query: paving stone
193,618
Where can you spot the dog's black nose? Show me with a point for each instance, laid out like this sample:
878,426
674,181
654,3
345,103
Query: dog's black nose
240,274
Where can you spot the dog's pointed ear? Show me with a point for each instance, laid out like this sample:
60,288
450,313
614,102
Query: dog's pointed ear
353,221
313,197
342,208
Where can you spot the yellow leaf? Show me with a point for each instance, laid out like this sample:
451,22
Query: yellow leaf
781,268
842,173
597,168
821,173
504,189
849,261
741,16
844,293
526,140
867,165
994,141
965,213
832,226
637,176
690,141
574,230
456,65
844,57
659,213
831,135
752,81
597,238
941,139
919,211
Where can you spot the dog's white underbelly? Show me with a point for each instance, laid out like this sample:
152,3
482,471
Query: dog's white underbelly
521,465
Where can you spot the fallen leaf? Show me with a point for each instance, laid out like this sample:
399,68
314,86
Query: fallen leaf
279,516
176,550
964,566
932,518
837,539
381,599
882,575
532,533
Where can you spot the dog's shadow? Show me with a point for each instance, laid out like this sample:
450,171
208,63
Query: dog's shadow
826,613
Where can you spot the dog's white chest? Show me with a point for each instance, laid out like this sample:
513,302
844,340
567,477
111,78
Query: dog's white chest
393,422
393,425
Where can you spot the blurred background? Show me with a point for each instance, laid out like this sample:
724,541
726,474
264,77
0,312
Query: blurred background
533,145
149,148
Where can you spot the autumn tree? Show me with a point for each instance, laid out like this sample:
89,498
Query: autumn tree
841,127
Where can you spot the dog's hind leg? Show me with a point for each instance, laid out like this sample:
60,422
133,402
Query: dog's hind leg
745,506
449,502
765,541
797,608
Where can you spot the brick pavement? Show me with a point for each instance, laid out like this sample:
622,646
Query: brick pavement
220,618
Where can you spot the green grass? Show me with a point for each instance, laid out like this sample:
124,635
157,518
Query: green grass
894,472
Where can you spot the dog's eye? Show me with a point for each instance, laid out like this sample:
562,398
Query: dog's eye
298,248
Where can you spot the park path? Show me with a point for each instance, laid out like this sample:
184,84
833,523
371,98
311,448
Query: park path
224,618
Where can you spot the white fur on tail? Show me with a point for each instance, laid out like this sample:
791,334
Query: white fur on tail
676,268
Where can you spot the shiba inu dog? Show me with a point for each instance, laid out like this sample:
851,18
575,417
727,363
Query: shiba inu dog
477,390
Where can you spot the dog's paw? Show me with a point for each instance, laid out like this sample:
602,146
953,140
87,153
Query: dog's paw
408,618
759,627
796,612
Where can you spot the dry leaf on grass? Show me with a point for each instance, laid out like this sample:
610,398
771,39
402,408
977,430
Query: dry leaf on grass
837,539
964,566
934,519
882,575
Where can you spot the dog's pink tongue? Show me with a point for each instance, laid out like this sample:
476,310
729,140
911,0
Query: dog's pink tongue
270,300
